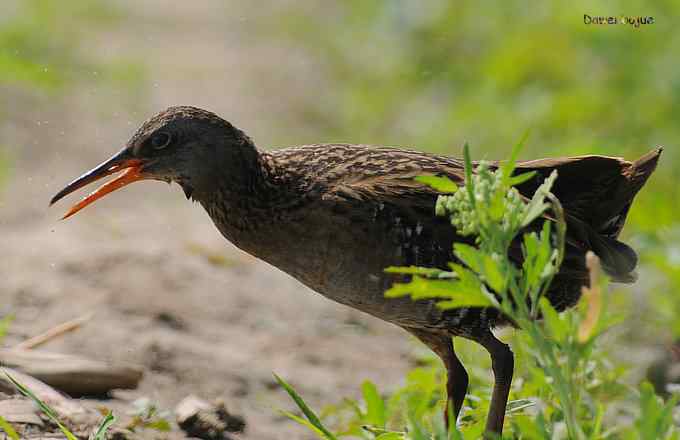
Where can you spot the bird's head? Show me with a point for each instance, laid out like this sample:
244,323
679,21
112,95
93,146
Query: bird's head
186,145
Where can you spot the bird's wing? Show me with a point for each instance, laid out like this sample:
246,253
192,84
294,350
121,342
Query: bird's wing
376,187
362,172
404,211
360,178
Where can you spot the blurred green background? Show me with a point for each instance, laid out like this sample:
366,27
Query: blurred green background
428,75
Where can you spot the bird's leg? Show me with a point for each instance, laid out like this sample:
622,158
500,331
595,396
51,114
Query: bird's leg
502,362
456,382
457,378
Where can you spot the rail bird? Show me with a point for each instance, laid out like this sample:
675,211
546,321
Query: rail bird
334,216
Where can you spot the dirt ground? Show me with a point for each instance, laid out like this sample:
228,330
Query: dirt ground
168,292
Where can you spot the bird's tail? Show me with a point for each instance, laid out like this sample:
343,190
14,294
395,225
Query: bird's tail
596,193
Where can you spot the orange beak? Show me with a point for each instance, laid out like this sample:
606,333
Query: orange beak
131,168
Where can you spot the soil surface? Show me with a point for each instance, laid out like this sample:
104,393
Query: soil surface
167,291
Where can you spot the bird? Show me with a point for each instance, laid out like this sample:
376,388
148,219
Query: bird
335,215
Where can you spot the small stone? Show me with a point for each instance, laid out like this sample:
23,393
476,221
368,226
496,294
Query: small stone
201,419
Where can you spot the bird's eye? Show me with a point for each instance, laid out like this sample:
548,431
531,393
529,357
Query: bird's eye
160,140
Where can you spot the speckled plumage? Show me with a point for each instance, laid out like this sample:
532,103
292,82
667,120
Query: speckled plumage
335,215
364,202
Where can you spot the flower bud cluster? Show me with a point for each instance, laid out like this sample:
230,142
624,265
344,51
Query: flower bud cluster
490,207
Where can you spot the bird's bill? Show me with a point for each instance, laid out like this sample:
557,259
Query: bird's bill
131,172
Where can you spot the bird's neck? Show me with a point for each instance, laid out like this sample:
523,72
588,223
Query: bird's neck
243,199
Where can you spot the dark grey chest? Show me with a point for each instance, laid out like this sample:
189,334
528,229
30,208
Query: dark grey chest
342,254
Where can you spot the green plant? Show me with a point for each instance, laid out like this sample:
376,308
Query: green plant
492,210
313,422
567,383
9,429
656,418
147,416
98,434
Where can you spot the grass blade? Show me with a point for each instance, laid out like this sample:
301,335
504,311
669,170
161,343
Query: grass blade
375,406
45,408
521,178
306,423
9,430
311,416
509,166
441,184
104,426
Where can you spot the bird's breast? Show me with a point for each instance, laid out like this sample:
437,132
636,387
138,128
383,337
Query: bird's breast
344,257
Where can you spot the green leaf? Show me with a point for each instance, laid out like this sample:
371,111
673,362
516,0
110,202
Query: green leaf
534,210
509,166
375,406
656,417
384,434
415,270
45,408
540,262
311,416
483,264
104,426
467,291
464,291
440,184
496,207
537,205
530,269
519,405
470,255
597,424
306,424
423,288
557,327
492,270
464,302
9,430
521,178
